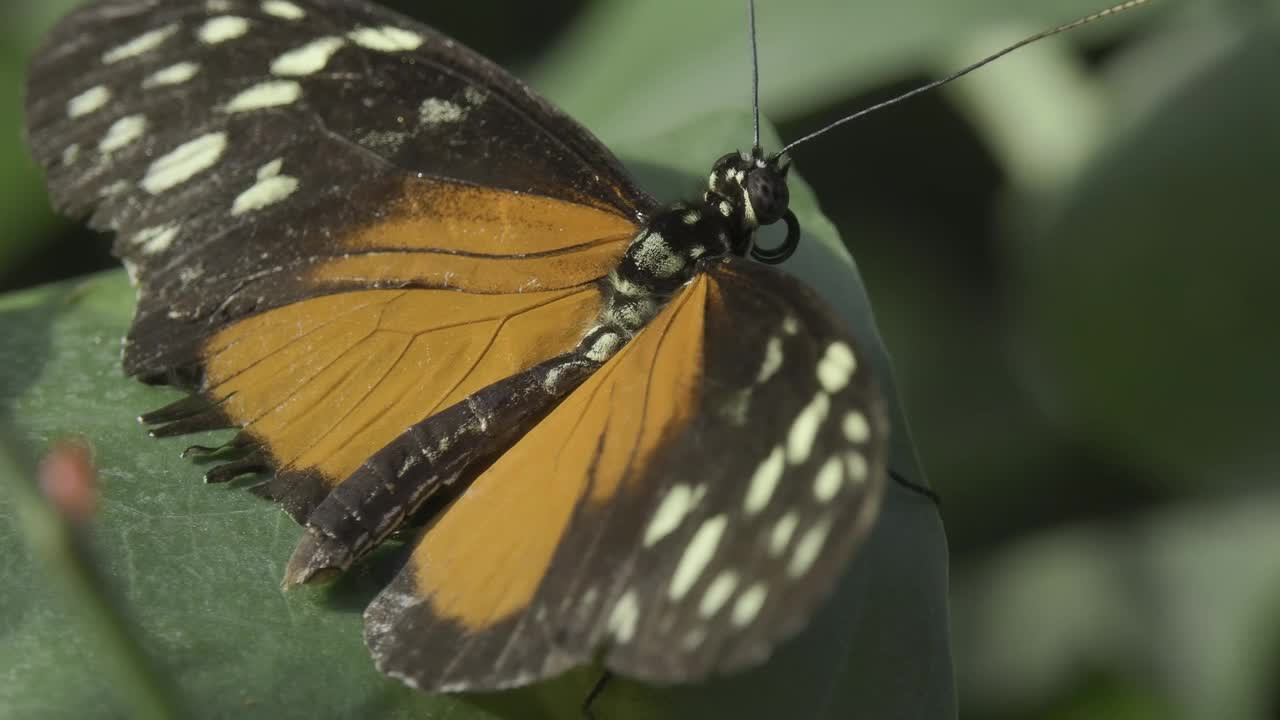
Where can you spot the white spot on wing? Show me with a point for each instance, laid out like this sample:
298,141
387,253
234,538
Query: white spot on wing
764,481
386,39
855,427
283,10
154,240
89,101
184,162
772,360
221,29
175,74
718,593
856,464
781,534
836,367
808,548
435,111
697,555
272,93
308,59
749,604
474,96
804,429
70,153
123,132
145,42
829,480
625,616
677,503
271,188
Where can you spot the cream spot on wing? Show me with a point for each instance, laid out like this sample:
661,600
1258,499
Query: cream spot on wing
154,240
694,639
675,505
808,548
764,481
70,153
625,617
221,29
772,362
829,480
308,59
804,429
123,132
790,325
386,39
271,188
855,426
89,101
282,9
474,96
272,93
781,534
144,43
749,603
435,111
184,162
836,367
175,74
856,463
114,188
718,593
697,555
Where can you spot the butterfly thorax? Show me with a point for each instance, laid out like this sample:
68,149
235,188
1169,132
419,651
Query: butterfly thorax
744,191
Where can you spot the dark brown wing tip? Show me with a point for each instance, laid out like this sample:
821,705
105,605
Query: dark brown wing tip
316,560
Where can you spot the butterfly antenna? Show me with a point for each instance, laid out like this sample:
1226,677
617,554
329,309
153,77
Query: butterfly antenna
961,73
755,74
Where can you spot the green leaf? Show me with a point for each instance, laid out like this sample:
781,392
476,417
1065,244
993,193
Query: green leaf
1150,290
200,566
656,64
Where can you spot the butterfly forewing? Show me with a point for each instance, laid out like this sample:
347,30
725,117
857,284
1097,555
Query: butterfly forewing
685,508
233,144
340,221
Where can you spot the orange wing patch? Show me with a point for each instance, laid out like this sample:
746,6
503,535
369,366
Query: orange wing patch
326,382
480,240
586,449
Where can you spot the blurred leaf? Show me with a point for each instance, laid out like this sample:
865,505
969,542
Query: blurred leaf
653,65
201,565
1150,295
1182,601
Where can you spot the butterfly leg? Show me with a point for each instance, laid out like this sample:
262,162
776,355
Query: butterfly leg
595,692
916,487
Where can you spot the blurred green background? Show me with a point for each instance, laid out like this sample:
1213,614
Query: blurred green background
1072,256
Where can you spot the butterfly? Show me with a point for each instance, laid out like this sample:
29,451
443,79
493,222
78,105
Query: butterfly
433,305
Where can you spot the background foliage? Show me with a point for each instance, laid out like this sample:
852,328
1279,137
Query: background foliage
1071,257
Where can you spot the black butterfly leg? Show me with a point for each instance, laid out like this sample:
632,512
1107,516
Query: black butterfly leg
915,487
596,689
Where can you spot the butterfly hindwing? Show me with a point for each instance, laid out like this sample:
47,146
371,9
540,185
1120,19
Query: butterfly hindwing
339,220
684,509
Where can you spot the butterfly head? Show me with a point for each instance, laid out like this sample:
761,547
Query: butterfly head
755,189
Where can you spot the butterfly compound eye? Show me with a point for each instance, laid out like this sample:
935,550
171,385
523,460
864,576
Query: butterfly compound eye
768,194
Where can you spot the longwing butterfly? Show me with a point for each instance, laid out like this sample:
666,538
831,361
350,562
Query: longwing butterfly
432,304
